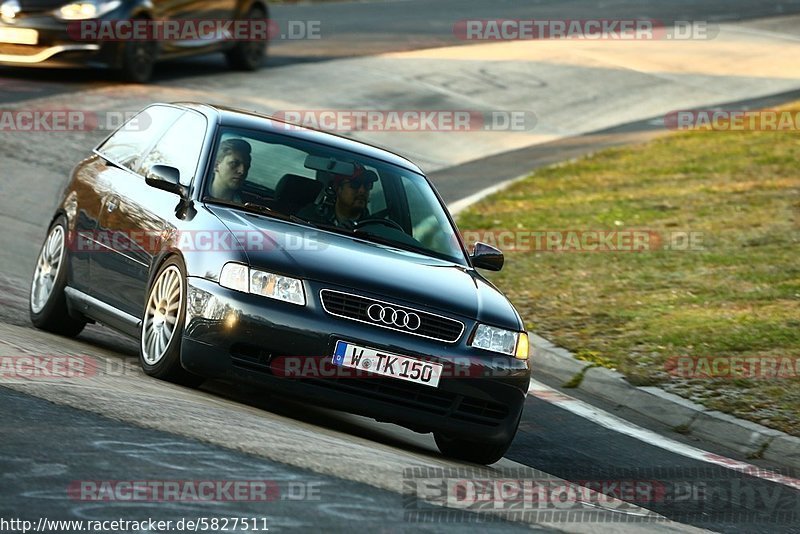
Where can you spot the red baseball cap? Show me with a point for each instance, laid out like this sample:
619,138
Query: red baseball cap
359,173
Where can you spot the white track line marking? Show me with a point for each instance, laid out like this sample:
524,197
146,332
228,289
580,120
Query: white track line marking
617,424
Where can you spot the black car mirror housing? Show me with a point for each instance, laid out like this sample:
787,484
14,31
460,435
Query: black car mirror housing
487,257
166,178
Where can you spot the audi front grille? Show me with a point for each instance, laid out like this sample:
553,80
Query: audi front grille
391,316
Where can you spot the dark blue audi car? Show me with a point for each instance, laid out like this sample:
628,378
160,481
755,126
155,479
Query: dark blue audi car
235,245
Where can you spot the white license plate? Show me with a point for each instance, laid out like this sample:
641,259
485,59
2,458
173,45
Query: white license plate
24,36
387,364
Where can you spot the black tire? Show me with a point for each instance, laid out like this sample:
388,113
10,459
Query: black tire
165,364
52,314
248,55
484,453
138,61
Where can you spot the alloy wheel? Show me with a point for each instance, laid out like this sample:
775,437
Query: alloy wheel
161,314
47,269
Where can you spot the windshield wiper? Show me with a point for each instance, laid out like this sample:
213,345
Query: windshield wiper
396,244
374,238
261,208
332,227
295,218
251,207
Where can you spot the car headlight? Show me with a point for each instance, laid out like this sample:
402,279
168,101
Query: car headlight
87,9
500,340
275,286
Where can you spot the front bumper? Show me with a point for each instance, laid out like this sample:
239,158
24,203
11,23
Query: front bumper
58,55
250,338
54,46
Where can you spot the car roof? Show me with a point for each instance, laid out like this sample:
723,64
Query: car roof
226,116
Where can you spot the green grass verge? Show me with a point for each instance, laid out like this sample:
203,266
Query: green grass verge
736,295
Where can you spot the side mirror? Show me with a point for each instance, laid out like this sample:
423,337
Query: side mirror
166,178
487,257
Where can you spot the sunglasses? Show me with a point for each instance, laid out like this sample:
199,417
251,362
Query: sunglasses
358,184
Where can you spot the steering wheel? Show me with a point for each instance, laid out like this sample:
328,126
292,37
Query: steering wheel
386,222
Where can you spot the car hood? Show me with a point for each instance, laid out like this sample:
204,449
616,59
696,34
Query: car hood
367,268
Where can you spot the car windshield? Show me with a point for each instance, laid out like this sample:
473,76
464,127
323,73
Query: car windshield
330,189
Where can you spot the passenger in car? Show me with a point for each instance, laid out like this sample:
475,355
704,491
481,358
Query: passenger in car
230,169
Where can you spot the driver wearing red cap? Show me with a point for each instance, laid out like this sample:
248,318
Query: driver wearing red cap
352,194
351,198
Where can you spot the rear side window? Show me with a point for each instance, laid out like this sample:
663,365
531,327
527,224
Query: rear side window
131,142
180,147
272,160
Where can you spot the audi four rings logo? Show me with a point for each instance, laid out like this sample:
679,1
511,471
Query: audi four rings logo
390,316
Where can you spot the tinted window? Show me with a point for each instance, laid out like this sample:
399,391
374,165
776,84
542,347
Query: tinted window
180,147
130,143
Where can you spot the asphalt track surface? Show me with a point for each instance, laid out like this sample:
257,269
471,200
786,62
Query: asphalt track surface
47,446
